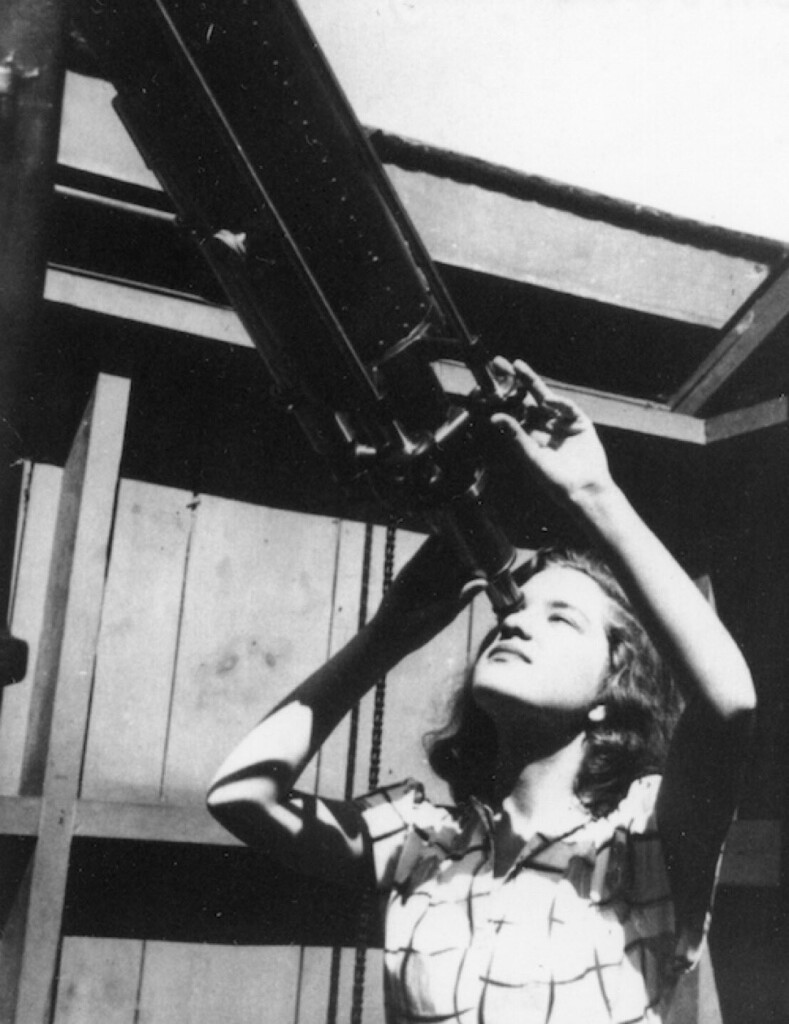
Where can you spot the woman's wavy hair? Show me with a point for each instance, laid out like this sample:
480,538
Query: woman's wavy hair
641,700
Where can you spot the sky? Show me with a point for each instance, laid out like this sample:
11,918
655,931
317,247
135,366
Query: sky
682,105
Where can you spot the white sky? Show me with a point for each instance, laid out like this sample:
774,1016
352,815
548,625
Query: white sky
678,104
682,105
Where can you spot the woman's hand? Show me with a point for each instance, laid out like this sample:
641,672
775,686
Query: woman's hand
554,437
425,597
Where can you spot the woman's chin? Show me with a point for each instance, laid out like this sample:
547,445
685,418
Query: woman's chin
498,702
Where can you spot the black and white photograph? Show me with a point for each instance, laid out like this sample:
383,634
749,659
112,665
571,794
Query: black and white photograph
394,511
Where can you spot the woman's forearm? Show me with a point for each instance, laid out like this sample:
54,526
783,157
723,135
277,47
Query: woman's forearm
273,755
427,594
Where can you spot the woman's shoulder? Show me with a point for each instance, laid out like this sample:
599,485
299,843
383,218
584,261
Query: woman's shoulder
637,807
626,857
635,814
404,827
405,805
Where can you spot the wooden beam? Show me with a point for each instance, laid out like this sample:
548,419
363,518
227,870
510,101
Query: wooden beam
215,323
61,690
773,413
156,823
115,204
75,589
178,313
487,227
752,329
605,409
752,857
466,226
167,310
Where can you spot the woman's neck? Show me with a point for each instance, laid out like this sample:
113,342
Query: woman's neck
536,781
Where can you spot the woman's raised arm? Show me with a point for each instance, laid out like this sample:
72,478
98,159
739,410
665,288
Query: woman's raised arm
561,448
251,794
699,792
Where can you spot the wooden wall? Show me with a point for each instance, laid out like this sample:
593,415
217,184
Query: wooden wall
208,611
212,611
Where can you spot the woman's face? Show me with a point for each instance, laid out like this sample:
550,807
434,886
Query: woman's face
552,655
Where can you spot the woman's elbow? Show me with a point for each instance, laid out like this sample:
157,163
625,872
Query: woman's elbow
217,801
221,804
740,700
241,804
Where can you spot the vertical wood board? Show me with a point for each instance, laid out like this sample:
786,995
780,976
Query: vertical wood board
99,981
35,536
75,586
208,984
62,682
332,759
136,651
316,982
257,608
23,499
314,985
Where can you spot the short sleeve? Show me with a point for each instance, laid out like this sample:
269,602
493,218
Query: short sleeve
391,816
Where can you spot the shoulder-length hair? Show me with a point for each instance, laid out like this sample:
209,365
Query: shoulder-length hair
641,700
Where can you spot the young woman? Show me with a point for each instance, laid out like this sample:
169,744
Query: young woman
571,883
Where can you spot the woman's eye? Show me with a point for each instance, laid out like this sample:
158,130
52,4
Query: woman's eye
565,620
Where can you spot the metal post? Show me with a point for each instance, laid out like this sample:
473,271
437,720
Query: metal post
32,56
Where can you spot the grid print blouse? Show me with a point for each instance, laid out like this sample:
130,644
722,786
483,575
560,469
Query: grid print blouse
581,928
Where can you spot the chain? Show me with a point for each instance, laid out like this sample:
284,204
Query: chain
350,764
380,686
368,900
367,904
353,739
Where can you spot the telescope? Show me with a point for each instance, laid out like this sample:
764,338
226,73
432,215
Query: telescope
238,114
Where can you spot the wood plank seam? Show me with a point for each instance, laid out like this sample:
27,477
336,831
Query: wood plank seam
194,508
330,631
21,529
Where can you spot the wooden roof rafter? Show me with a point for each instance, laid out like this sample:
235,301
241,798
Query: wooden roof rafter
753,327
511,225
492,221
199,319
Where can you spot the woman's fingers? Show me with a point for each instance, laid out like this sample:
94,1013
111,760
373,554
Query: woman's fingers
543,395
540,403
535,385
503,369
553,412
555,438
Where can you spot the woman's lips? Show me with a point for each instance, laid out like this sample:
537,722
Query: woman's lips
504,647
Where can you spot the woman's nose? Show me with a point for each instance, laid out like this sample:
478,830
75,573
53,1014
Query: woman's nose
519,624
